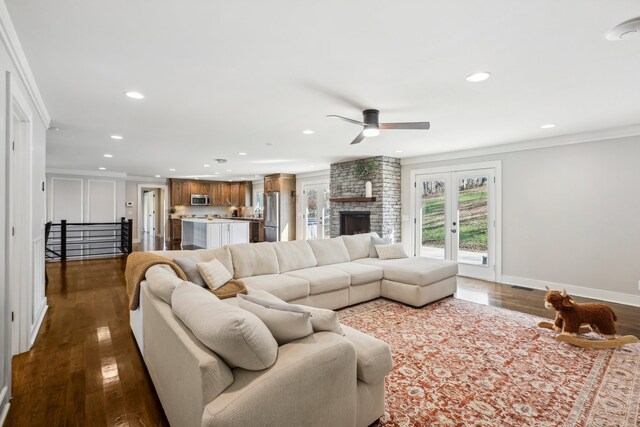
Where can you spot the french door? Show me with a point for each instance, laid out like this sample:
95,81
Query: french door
317,211
456,219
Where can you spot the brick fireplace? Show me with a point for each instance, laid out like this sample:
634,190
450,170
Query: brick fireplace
384,212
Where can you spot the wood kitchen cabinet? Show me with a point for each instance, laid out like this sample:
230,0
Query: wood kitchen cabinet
180,192
176,229
221,193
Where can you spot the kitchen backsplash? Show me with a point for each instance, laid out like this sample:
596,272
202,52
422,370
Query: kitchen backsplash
211,210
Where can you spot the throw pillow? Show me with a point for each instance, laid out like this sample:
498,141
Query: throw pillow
236,335
190,267
321,318
214,273
378,241
162,281
285,321
393,251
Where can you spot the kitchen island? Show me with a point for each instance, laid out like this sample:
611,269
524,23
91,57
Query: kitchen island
213,233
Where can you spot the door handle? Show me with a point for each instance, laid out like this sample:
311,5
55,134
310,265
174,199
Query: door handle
453,230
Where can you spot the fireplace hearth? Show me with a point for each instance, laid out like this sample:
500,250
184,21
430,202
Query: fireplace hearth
355,222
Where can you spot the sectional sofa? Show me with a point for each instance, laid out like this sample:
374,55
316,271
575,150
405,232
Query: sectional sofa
323,379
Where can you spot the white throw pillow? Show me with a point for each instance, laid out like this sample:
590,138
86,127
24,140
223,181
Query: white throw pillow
162,281
393,251
236,335
214,273
375,240
321,318
285,321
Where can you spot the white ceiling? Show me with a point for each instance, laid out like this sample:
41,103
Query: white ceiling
222,77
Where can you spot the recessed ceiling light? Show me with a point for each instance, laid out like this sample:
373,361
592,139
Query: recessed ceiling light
312,166
196,177
242,153
116,137
53,129
206,166
230,180
399,151
242,177
157,176
478,77
172,170
108,155
228,170
548,126
268,143
216,173
308,132
256,176
134,95
103,169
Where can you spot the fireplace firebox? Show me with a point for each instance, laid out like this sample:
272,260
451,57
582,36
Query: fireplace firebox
354,222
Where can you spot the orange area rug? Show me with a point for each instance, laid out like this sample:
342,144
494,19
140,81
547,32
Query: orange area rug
459,363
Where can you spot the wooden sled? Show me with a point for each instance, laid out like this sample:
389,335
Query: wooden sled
590,343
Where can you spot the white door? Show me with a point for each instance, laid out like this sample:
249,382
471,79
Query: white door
456,219
317,211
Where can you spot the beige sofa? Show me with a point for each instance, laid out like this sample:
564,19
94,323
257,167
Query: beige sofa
323,379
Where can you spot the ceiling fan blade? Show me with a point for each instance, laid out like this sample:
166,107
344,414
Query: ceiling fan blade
355,122
409,125
359,138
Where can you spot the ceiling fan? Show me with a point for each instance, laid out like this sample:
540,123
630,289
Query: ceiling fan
371,125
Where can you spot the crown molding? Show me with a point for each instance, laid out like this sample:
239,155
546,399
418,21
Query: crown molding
569,139
14,49
78,172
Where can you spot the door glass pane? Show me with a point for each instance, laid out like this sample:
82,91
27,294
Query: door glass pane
311,203
473,215
317,211
432,222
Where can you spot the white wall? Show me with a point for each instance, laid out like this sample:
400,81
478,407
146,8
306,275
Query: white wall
39,125
570,215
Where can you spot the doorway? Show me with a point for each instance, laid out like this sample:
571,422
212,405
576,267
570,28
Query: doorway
149,212
317,211
456,216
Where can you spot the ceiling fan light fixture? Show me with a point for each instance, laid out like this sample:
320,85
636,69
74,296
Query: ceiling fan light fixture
625,30
370,131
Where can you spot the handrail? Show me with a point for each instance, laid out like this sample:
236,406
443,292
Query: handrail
66,240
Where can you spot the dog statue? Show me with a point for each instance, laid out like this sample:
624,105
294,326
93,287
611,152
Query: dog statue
570,316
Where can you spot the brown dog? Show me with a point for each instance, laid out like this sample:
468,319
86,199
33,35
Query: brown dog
570,315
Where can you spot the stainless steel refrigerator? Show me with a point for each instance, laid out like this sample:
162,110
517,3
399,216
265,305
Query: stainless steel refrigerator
272,216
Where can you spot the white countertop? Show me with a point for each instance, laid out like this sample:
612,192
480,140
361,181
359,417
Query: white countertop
210,220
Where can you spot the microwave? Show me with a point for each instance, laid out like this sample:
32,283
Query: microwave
200,200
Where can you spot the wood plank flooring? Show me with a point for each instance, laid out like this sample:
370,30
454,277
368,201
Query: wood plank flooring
85,368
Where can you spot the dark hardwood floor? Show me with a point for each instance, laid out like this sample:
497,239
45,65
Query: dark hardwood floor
85,369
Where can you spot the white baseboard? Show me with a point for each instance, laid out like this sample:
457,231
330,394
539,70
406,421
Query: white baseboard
36,326
579,291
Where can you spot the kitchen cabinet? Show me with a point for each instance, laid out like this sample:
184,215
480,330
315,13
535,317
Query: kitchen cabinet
180,193
234,193
215,192
199,187
221,193
271,183
214,234
176,229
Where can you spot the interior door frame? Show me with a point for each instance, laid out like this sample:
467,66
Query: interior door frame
20,245
164,217
414,214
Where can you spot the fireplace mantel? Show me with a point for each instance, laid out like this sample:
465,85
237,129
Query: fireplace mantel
352,199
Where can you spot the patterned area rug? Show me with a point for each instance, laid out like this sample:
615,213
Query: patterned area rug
460,363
